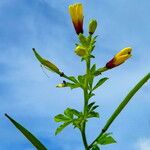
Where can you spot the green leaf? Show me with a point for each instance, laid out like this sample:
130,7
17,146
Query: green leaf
90,105
93,68
95,147
94,107
76,113
93,114
106,139
90,95
81,79
92,56
72,85
61,127
61,118
36,143
73,79
68,112
99,83
78,121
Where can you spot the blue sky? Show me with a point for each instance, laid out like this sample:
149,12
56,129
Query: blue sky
32,99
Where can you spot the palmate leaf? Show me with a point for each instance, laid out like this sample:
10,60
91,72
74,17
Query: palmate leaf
36,143
70,116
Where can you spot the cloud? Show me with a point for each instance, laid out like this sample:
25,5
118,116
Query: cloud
143,144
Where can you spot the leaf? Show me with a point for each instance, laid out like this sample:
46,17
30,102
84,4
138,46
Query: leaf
99,83
61,127
95,147
90,105
81,79
93,68
93,114
73,79
95,37
68,113
106,139
94,107
78,121
72,85
75,112
36,143
92,56
90,95
61,118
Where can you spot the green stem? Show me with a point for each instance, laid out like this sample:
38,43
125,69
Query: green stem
122,106
65,76
100,70
85,104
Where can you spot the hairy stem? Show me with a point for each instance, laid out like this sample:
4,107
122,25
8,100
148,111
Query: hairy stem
122,106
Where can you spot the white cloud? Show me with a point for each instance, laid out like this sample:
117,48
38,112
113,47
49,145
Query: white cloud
143,144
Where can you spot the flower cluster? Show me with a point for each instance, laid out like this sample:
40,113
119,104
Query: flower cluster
82,50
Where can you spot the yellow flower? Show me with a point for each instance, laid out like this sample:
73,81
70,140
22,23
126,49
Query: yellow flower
76,13
119,58
80,51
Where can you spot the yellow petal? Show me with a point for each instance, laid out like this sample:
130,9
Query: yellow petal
124,51
121,59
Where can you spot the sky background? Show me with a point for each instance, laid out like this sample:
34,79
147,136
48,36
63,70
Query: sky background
30,97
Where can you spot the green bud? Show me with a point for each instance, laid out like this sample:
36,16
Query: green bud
46,63
92,26
80,51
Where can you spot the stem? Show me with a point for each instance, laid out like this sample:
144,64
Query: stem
85,104
65,76
100,70
122,106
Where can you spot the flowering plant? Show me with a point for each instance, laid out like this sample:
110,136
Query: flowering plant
71,116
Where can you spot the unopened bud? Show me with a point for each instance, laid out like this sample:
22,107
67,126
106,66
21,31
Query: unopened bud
46,63
92,26
81,51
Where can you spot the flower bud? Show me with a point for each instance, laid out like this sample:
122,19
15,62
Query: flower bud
76,13
46,63
119,58
61,85
92,26
81,51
